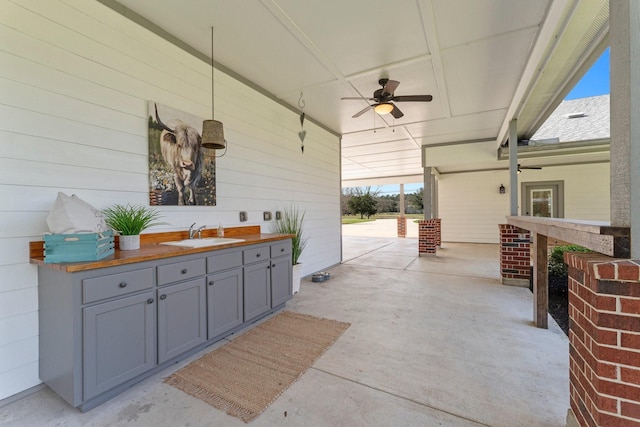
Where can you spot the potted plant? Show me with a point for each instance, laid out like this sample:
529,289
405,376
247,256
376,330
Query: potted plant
291,222
129,221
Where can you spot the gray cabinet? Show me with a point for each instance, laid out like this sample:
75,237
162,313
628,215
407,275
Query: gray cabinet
102,330
224,292
182,318
280,273
280,280
257,289
224,301
267,284
119,342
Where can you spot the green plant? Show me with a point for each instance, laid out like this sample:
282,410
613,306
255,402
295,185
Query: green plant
130,220
291,222
557,267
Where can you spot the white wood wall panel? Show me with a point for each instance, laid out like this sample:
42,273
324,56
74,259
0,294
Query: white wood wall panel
75,79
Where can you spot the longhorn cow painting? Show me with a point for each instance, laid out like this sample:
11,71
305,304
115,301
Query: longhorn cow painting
181,171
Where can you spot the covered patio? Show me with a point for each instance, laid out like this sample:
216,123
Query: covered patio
433,341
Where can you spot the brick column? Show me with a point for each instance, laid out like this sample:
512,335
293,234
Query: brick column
604,340
402,226
428,236
515,255
438,232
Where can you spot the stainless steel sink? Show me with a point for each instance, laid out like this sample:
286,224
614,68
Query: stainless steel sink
200,243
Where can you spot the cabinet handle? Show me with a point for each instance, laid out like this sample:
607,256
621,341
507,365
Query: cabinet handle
257,255
150,301
273,265
123,284
184,271
268,267
163,296
281,249
211,283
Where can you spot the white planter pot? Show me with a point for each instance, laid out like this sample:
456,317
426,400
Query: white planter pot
295,278
128,243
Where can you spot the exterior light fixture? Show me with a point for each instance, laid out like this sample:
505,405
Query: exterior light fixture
502,189
212,130
384,108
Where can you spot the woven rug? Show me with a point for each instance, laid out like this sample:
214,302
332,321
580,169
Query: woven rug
245,375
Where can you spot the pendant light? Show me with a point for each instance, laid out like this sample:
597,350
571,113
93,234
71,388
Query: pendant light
212,130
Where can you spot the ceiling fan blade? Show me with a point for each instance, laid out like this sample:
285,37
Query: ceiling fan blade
413,98
396,112
361,112
357,97
528,167
390,87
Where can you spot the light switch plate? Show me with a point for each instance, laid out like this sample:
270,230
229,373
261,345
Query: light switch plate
278,215
243,216
266,216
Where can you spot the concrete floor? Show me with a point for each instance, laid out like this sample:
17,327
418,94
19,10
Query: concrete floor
433,342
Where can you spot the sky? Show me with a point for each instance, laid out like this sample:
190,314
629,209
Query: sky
594,82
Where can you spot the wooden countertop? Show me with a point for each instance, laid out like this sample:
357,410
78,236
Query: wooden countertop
151,249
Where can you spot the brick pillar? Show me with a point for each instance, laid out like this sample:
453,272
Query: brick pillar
428,236
604,340
515,255
438,232
402,226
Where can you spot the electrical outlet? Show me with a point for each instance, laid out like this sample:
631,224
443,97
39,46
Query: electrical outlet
243,216
266,216
278,215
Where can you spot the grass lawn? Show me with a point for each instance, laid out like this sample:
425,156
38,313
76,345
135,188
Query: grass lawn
354,219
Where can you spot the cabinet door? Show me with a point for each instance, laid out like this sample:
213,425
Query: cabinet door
280,280
182,318
119,342
257,289
224,301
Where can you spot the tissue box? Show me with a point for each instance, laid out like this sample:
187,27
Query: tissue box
78,247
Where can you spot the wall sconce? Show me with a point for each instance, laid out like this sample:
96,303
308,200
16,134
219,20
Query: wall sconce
502,189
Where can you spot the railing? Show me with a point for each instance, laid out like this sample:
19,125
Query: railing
594,235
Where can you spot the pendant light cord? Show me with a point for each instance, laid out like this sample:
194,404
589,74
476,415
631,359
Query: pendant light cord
212,72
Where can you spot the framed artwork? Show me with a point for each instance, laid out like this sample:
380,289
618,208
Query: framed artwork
181,171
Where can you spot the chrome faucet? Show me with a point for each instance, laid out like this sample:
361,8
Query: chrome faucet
192,231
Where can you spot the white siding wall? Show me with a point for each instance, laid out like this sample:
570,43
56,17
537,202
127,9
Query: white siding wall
75,78
471,206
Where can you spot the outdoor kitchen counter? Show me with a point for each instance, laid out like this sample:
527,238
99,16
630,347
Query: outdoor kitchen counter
151,249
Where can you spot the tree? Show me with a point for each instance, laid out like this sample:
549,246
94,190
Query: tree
364,205
416,199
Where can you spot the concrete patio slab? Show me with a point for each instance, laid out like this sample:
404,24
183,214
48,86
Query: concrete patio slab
434,341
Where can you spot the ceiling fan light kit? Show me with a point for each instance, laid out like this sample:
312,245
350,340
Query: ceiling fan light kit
384,108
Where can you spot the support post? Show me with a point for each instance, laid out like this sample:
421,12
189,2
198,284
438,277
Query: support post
513,167
624,38
426,195
402,219
540,281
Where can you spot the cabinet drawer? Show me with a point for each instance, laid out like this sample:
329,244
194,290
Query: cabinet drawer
224,261
180,271
114,285
281,248
256,254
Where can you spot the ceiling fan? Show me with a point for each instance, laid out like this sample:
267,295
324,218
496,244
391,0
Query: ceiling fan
527,167
385,97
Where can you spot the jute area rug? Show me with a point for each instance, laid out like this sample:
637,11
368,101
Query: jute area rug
245,375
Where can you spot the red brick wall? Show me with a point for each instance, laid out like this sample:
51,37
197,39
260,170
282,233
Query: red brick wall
604,336
515,255
429,236
402,226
